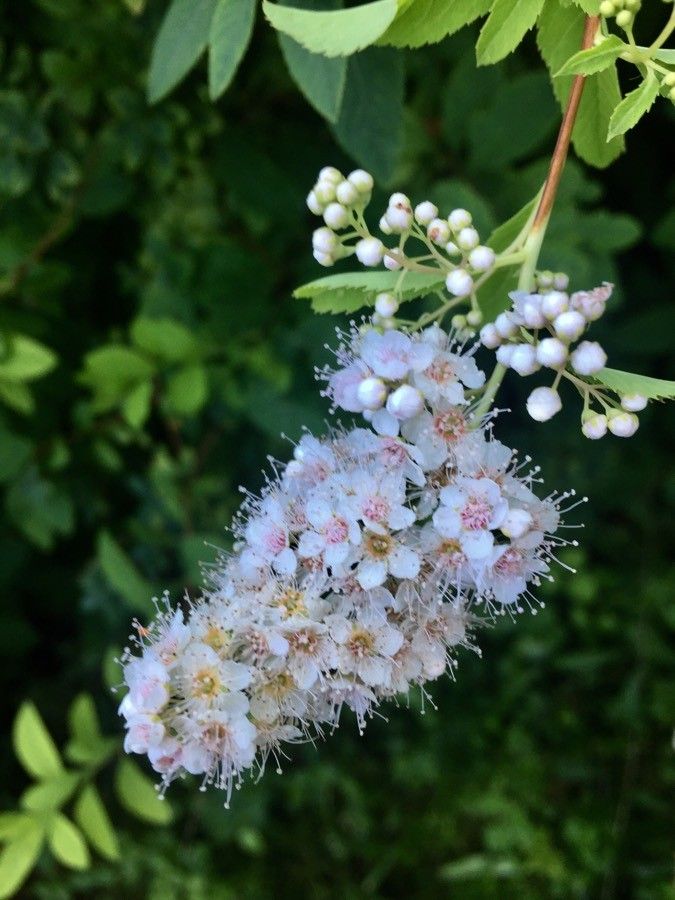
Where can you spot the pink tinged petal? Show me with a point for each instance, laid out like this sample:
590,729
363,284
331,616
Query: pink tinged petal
477,544
404,563
310,544
318,512
447,522
421,357
371,574
285,562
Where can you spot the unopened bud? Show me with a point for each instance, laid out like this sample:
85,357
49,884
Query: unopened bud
517,523
588,358
543,403
569,325
490,337
474,317
553,304
459,218
331,174
482,258
425,212
467,239
386,305
459,282
325,240
370,251
336,216
594,426
622,424
372,392
633,402
405,402
438,231
524,359
313,204
347,193
362,181
506,326
551,352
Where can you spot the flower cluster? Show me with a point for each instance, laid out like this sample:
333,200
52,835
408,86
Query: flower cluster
363,566
541,330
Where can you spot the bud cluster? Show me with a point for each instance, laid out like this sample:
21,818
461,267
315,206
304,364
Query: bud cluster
623,11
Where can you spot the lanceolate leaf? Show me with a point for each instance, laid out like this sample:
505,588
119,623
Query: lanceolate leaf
138,795
429,21
595,59
333,32
182,39
19,856
349,291
33,744
630,383
91,816
505,28
229,36
320,78
633,106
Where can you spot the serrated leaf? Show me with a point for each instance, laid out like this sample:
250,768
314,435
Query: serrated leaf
590,7
338,32
19,856
370,126
181,40
136,405
91,816
506,26
633,106
138,795
350,291
122,573
229,36
26,360
429,21
51,794
67,844
320,78
595,59
33,744
186,391
164,338
631,383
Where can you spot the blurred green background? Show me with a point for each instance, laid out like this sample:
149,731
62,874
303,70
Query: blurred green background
154,251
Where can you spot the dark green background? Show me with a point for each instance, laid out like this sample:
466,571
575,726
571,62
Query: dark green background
547,768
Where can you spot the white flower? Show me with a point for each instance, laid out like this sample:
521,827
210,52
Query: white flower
143,732
393,355
384,554
268,539
365,647
333,530
469,510
447,375
206,679
147,679
378,500
311,653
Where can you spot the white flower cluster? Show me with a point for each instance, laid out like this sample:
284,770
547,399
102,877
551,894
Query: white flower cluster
539,331
356,575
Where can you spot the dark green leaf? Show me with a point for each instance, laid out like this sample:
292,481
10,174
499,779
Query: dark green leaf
230,34
181,40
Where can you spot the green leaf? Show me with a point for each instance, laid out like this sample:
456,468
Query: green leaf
67,844
595,59
12,824
633,106
186,391
19,856
138,794
493,296
33,744
230,34
83,719
17,396
665,54
26,360
123,574
111,371
40,509
136,405
630,383
349,291
370,127
429,21
182,38
321,79
50,795
505,27
164,338
15,451
91,816
504,235
339,32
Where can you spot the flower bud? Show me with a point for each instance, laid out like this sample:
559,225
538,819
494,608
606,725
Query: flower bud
504,354
331,174
386,305
391,263
336,216
490,337
517,523
347,193
467,239
425,212
553,304
588,358
594,426
370,251
324,191
399,218
405,402
459,282
482,258
474,317
569,325
323,259
551,352
438,231
524,359
624,18
561,281
362,180
458,322
506,326
452,249
607,9
531,312
372,392
544,280
325,240
633,402
622,424
459,218
313,204
543,403
384,226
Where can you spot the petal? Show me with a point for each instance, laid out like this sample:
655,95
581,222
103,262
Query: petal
447,522
477,544
404,563
371,574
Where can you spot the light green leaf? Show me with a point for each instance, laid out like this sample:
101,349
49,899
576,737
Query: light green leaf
122,573
339,32
321,79
665,55
349,291
429,21
139,796
370,127
186,391
12,824
33,744
630,383
26,360
52,794
590,7
230,34
67,844
595,59
18,857
136,405
505,27
111,371
83,719
182,38
506,233
17,396
164,338
91,816
633,106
